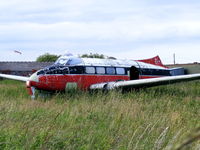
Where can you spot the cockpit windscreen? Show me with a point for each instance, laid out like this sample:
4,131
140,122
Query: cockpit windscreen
68,60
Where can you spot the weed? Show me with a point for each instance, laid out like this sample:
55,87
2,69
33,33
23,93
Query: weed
155,118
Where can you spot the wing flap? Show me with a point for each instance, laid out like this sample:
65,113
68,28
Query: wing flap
14,77
156,81
146,82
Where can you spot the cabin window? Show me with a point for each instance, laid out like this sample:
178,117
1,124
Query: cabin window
110,70
101,70
65,71
73,70
90,70
49,72
76,70
58,71
120,71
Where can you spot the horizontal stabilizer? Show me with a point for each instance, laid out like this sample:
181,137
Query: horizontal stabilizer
14,77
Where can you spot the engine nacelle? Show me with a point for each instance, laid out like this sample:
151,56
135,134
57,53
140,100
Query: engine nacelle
104,86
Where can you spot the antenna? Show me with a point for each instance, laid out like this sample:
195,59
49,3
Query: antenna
174,56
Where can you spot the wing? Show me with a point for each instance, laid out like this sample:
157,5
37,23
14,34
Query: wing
14,77
145,82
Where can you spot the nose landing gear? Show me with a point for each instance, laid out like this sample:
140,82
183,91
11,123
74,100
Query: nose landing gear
33,93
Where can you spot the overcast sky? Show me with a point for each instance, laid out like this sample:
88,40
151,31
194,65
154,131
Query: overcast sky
132,29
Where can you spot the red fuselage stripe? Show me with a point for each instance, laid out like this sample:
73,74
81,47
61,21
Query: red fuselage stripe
59,82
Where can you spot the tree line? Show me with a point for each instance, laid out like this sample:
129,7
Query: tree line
52,57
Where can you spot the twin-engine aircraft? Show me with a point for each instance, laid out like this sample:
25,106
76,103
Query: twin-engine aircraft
91,73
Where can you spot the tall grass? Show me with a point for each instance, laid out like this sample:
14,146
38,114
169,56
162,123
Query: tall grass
164,117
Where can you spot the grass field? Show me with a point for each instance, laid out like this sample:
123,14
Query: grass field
165,117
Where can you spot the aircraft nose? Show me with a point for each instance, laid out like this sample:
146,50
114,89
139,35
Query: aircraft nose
34,77
30,84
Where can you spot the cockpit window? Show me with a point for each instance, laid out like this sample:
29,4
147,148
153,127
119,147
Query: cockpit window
63,60
40,72
60,70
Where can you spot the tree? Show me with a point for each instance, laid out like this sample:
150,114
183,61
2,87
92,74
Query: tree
47,58
91,55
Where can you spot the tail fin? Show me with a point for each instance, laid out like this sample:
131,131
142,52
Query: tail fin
154,61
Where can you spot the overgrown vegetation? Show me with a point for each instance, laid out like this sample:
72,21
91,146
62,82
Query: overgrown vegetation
91,55
163,117
52,57
47,58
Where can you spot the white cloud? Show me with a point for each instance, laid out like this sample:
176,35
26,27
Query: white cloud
108,27
165,51
126,30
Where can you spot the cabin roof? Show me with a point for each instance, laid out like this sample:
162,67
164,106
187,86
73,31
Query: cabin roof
72,60
118,63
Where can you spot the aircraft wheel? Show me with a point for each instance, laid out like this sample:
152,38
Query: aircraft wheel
43,94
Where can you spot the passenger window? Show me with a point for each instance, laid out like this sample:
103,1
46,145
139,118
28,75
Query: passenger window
101,70
90,70
120,71
73,70
110,70
50,72
65,71
76,70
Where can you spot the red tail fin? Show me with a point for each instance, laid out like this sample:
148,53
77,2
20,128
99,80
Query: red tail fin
154,61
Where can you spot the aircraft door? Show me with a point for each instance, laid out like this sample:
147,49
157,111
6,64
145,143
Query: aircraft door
134,73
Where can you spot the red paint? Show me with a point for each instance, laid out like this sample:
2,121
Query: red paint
51,80
58,82
154,61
